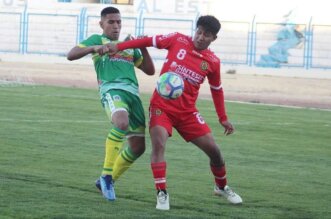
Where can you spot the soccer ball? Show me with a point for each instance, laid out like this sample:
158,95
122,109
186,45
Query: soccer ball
170,85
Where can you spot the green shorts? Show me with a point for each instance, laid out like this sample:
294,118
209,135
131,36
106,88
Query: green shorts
117,100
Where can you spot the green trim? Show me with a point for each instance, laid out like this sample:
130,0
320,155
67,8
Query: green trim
128,155
130,152
108,169
115,139
126,158
120,131
116,135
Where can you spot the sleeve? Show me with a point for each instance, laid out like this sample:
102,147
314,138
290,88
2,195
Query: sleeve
137,43
91,41
158,41
217,93
137,57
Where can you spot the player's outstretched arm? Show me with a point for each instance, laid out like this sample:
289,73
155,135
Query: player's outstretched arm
147,64
79,52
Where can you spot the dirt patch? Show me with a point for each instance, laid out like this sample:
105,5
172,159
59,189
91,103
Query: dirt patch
293,91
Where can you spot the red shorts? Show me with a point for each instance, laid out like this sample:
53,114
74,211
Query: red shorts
189,124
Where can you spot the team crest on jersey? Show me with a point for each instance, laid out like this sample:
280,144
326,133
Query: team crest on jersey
204,65
158,112
116,98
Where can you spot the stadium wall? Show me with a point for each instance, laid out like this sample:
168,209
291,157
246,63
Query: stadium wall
51,29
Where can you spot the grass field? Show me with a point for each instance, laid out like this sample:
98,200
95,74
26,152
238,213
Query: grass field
52,148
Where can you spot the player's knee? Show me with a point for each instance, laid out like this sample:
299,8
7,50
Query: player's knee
137,145
159,147
123,125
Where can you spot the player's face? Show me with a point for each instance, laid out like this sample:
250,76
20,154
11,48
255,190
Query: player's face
111,25
202,38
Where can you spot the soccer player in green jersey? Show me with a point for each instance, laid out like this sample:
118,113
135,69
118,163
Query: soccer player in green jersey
118,87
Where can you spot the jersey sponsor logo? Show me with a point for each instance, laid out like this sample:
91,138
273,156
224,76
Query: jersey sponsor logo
189,75
204,65
122,57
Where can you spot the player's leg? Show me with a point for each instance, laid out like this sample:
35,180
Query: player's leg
116,109
129,155
135,136
160,130
159,136
193,128
207,144
115,140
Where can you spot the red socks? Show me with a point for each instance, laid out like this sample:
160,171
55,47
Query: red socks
159,173
220,176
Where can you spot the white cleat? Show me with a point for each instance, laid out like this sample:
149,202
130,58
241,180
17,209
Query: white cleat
162,201
230,195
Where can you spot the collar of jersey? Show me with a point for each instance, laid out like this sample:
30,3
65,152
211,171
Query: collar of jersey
113,41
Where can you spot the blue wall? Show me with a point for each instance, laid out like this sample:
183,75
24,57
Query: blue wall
239,43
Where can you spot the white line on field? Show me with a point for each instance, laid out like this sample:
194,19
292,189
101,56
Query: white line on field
52,121
284,106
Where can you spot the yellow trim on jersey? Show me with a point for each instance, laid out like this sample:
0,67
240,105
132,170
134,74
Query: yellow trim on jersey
138,62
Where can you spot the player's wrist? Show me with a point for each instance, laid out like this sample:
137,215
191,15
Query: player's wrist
223,119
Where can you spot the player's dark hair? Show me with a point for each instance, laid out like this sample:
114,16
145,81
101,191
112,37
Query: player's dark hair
209,23
109,10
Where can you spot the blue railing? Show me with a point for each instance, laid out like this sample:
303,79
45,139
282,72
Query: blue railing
240,43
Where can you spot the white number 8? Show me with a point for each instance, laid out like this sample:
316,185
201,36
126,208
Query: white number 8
181,54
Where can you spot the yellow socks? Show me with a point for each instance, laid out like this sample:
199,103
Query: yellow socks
123,162
114,144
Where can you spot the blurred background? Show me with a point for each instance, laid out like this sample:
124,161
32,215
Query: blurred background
270,34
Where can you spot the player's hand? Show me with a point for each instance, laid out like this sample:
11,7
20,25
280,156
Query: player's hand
129,37
102,50
96,48
228,127
109,48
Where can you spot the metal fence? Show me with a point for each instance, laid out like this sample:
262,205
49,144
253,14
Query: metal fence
239,43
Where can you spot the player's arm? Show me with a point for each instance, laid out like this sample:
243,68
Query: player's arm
131,44
90,45
147,64
218,99
217,93
158,41
136,43
78,51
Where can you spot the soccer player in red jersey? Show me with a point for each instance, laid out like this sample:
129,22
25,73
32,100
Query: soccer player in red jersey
190,58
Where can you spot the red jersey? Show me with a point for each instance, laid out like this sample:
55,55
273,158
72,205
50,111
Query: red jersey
193,65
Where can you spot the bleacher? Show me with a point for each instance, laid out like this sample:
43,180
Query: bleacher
55,30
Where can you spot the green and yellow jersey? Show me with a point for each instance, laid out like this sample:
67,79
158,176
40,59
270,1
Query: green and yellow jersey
116,71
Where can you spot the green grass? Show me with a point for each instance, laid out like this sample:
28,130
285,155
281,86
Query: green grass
52,148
